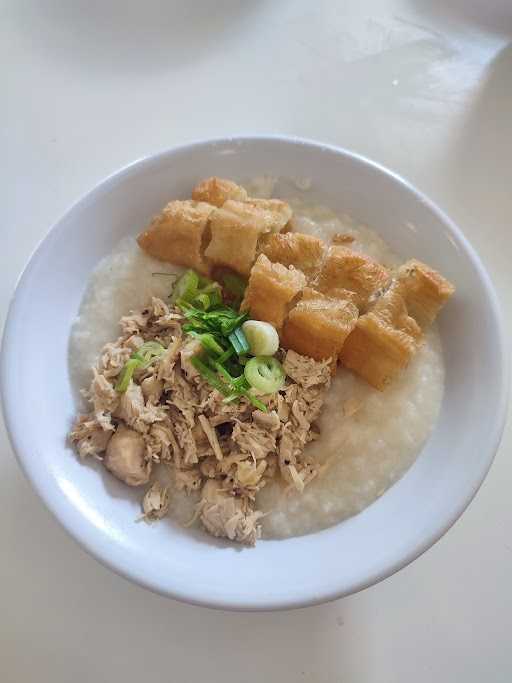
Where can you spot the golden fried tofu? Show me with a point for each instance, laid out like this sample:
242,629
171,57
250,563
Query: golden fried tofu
178,233
277,213
424,290
305,252
344,268
318,325
235,229
217,191
271,288
383,341
376,351
391,308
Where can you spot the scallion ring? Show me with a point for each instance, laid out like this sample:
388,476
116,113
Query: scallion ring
265,374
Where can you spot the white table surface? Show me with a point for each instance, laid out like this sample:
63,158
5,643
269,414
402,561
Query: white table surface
90,86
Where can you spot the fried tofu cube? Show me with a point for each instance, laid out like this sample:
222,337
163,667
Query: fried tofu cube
277,213
424,290
304,252
235,230
376,351
344,268
271,288
383,341
318,326
177,235
217,191
390,307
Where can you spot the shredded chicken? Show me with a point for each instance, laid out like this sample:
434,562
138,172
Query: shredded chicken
305,371
169,416
155,503
89,437
211,435
224,515
152,389
125,457
136,412
268,421
253,440
188,480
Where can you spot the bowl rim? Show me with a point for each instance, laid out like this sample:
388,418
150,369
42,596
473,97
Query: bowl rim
189,595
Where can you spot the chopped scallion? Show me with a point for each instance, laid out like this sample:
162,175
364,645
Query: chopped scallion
225,356
210,376
143,357
126,374
201,301
185,287
239,341
265,374
208,342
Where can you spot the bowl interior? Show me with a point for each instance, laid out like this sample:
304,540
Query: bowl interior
38,398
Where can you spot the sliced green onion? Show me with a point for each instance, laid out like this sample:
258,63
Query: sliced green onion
186,287
210,376
239,341
228,323
225,356
232,382
221,320
141,358
215,297
197,291
196,326
201,301
225,375
231,398
265,374
262,337
256,402
208,342
126,374
232,389
148,352
153,347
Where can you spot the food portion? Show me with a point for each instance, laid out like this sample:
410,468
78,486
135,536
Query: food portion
178,233
424,291
383,341
235,231
231,386
345,270
179,388
303,252
271,289
318,325
217,191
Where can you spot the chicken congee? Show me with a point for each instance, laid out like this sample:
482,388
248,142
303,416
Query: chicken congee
255,366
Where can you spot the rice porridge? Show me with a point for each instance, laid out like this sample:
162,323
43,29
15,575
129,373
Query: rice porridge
368,438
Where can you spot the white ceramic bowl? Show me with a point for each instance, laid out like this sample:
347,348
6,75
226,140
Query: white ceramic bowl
185,564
